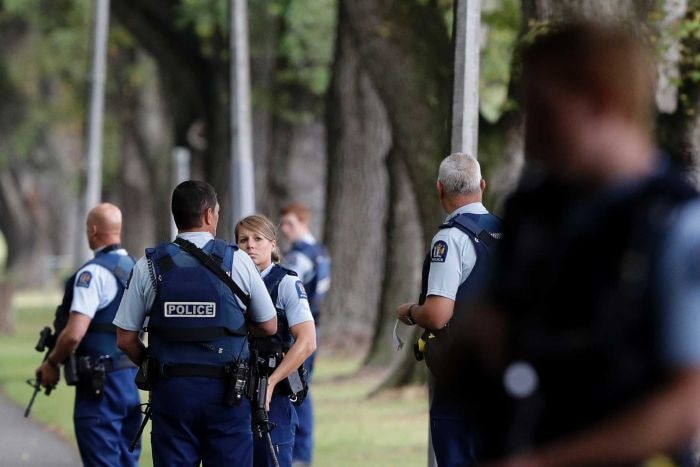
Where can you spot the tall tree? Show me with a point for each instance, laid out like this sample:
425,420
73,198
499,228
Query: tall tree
188,42
359,139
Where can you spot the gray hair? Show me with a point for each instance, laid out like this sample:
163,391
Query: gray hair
460,174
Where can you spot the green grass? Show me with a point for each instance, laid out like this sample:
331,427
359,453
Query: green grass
351,429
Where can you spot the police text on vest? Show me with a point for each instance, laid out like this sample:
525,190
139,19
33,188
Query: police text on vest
190,309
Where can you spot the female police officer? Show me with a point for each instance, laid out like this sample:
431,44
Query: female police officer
295,331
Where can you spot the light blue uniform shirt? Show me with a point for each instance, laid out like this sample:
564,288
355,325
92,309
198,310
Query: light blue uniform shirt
679,280
139,296
292,299
452,263
94,287
299,262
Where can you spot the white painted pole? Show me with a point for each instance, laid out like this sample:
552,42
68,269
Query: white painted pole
94,123
242,188
465,97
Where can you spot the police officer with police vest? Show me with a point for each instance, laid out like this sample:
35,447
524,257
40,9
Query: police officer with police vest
454,272
309,259
294,342
598,289
201,297
106,412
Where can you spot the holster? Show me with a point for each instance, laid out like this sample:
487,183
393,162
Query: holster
84,368
237,383
148,374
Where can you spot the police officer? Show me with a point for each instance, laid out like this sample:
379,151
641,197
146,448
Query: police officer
455,269
106,412
309,259
295,338
200,294
599,286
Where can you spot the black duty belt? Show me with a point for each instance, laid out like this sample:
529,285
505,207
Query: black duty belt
208,371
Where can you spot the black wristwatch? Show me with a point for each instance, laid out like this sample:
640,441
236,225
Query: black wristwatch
409,316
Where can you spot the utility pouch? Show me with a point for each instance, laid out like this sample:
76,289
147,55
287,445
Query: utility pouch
436,351
84,369
148,374
70,370
236,383
296,385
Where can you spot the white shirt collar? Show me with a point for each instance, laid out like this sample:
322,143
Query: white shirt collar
471,208
198,238
267,270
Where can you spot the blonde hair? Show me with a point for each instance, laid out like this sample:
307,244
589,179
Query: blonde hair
261,225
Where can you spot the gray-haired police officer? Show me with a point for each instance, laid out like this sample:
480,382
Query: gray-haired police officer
197,328
106,415
455,271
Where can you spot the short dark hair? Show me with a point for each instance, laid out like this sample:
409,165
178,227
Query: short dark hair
190,200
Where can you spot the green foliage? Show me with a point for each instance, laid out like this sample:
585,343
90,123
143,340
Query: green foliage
502,21
307,43
44,59
686,33
209,19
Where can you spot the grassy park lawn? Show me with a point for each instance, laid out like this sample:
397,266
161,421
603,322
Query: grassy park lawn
351,429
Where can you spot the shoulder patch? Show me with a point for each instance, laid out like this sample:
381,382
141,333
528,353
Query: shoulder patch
84,279
301,292
439,252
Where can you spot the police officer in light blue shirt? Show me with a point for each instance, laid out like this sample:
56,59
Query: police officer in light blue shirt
295,338
309,259
198,324
106,418
455,271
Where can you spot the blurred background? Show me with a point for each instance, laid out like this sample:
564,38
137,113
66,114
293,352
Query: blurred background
351,108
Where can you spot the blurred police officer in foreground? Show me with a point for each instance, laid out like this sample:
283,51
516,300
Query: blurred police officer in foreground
197,328
599,286
106,413
309,259
455,270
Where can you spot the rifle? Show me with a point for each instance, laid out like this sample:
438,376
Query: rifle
46,342
146,418
259,372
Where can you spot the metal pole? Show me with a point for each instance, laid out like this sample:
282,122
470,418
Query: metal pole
465,103
465,97
242,188
93,156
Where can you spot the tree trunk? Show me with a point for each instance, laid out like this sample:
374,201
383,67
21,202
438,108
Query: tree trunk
412,76
358,141
297,162
677,131
7,313
411,72
401,275
195,83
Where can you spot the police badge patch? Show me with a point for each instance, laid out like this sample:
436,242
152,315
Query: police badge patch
84,279
438,252
301,292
